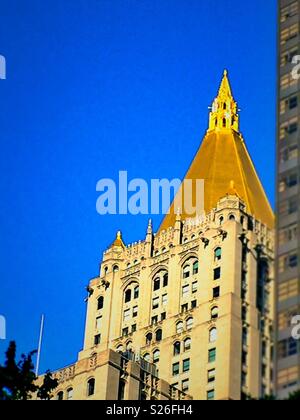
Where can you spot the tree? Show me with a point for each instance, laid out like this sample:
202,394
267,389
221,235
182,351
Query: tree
18,380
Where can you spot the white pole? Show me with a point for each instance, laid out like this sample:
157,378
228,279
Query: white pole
40,346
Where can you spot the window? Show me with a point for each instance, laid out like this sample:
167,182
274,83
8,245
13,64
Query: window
156,284
120,349
179,327
164,300
211,375
147,357
128,296
99,322
70,394
149,339
175,369
97,339
215,312
186,365
185,291
187,344
245,336
100,303
195,267
133,328
155,303
244,358
156,356
213,335
185,385
135,311
211,395
194,304
127,315
125,332
217,273
184,308
91,387
154,320
165,280
194,287
186,272
216,292
163,316
158,335
189,323
176,348
60,396
212,354
136,292
218,254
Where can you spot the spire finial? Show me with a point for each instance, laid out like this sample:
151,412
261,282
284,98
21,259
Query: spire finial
119,241
224,113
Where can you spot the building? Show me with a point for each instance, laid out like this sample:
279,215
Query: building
191,306
288,275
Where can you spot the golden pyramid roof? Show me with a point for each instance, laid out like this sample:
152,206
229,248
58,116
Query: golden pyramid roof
225,165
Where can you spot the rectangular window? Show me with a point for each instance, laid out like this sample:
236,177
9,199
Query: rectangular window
212,354
164,300
195,287
97,339
288,290
194,304
125,332
289,33
175,369
217,273
211,395
184,308
99,323
186,365
127,315
163,316
133,328
216,292
185,291
211,375
185,385
135,311
154,320
288,12
287,56
155,303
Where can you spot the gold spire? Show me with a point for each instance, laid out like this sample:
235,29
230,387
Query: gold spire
224,110
224,164
119,241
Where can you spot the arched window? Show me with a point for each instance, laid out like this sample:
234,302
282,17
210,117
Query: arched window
179,327
189,323
100,303
156,284
232,217
147,357
156,356
215,312
224,106
221,220
218,254
91,387
60,396
115,269
120,349
176,348
70,394
158,335
186,272
129,346
213,335
136,292
105,270
187,344
165,280
128,295
224,122
195,267
149,339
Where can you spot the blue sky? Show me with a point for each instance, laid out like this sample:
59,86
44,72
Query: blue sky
98,86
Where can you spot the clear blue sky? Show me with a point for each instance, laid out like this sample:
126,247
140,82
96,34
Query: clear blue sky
98,86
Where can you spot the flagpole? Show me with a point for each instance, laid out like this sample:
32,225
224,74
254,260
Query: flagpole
40,346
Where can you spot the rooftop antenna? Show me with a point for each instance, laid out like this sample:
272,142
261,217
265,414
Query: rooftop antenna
40,345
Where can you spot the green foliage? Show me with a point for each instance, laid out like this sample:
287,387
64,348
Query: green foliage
18,380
